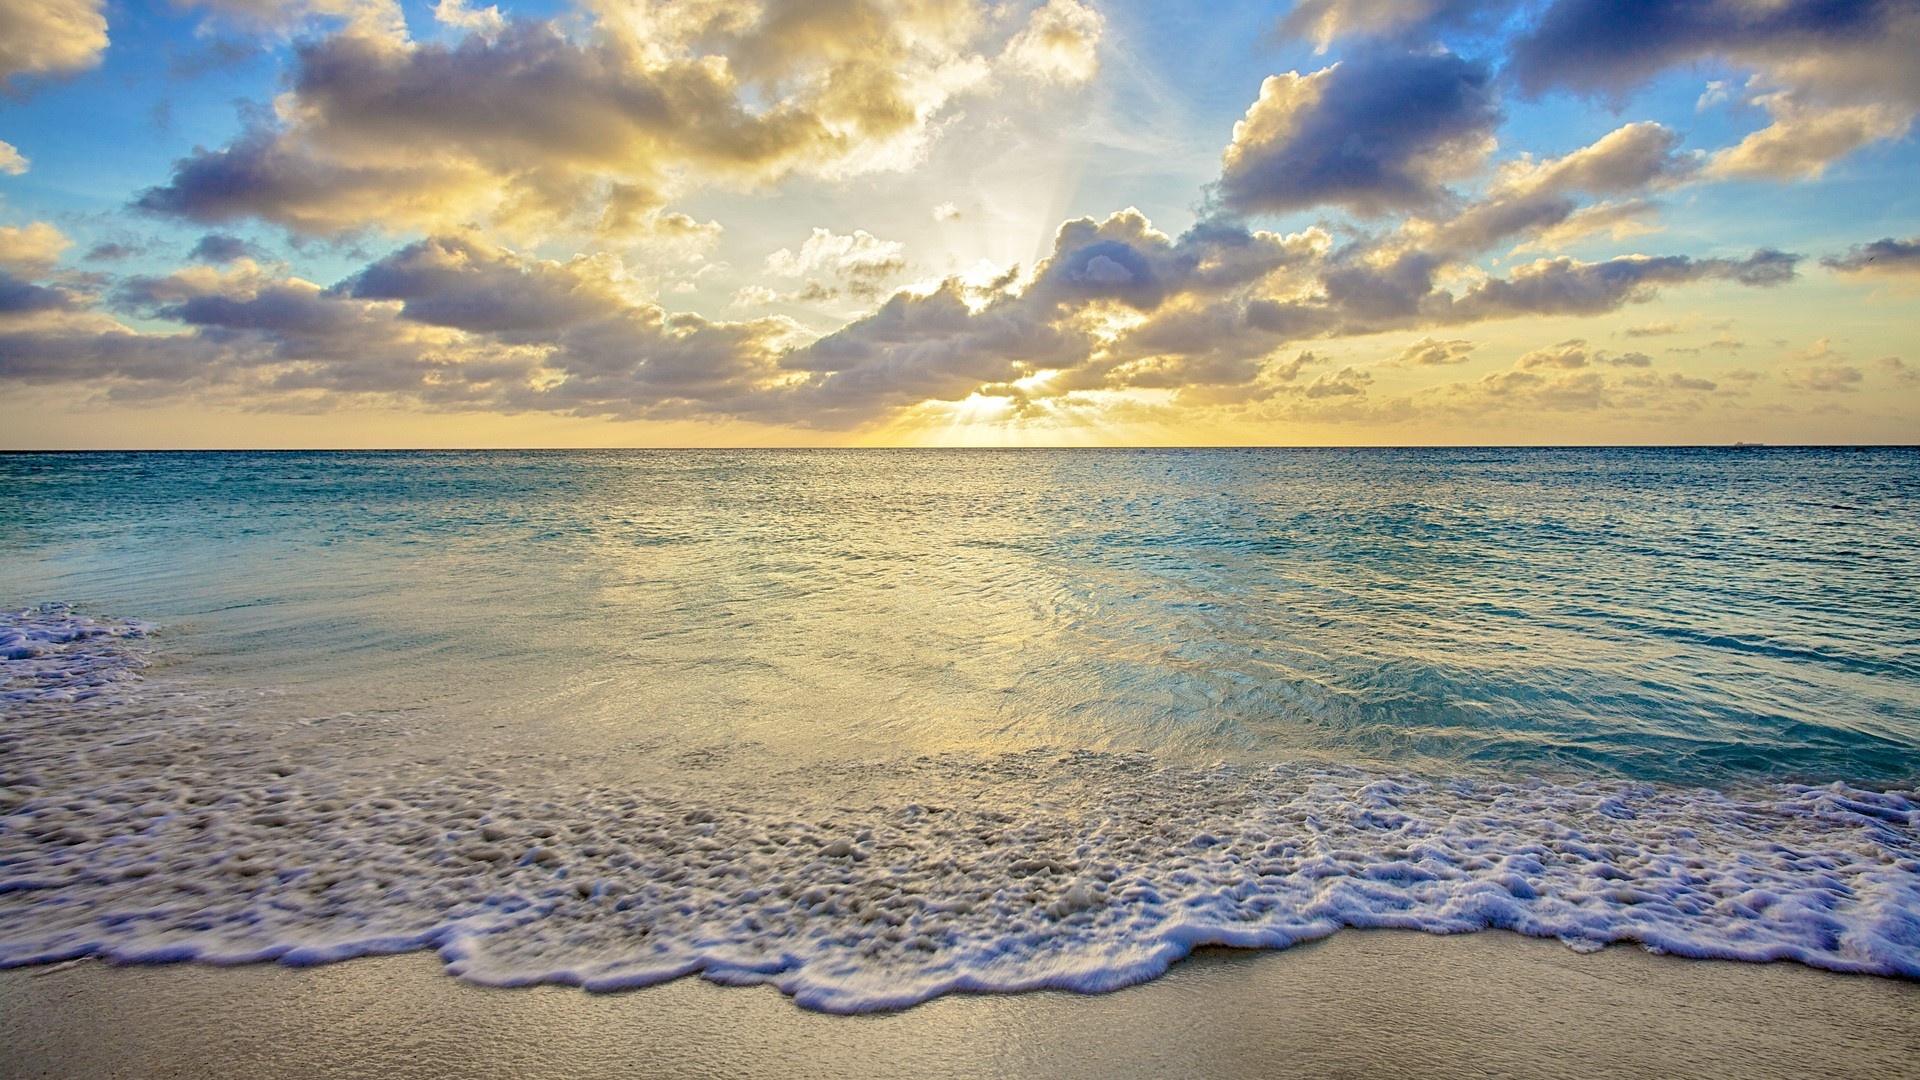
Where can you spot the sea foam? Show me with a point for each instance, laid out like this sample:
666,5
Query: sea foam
51,654
143,826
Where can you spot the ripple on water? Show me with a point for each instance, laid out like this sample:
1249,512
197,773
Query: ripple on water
143,825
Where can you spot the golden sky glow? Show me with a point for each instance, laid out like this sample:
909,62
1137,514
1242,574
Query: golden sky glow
809,222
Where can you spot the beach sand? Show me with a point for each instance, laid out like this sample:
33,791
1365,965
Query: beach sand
1361,1004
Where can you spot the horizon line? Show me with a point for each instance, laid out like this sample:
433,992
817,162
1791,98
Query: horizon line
793,448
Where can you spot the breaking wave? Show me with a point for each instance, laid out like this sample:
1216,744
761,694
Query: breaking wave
141,823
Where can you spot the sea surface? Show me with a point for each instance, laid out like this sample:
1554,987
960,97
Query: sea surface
875,725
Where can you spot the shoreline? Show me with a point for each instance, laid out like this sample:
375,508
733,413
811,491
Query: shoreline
1362,1002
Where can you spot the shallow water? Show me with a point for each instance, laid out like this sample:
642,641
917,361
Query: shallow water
872,725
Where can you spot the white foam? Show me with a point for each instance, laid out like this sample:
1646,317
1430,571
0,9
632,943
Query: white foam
136,831
48,653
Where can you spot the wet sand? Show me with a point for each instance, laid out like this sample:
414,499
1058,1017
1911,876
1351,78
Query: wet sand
1361,1004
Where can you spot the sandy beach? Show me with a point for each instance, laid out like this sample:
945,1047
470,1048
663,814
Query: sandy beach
1362,1003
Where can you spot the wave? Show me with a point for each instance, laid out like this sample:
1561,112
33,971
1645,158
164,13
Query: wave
51,654
148,826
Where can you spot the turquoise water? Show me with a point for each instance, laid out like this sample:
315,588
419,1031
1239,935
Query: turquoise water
1655,614
1049,636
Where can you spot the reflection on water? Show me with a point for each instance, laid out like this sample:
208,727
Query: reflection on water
874,726
1655,614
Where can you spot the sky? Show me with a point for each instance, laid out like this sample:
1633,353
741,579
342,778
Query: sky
356,223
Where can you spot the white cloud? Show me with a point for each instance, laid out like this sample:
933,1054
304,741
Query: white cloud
31,248
486,20
859,258
50,36
1060,43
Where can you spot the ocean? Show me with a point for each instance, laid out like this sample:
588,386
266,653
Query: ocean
871,726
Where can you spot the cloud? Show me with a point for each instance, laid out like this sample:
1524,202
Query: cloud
1898,369
1379,133
1347,382
50,37
12,162
1883,258
1323,21
1653,329
1596,45
1567,354
1833,76
1803,138
859,259
20,297
1836,75
1565,286
209,55
456,13
754,296
1210,318
946,211
1060,43
1564,378
585,126
446,323
1119,305
111,251
373,19
219,248
1428,352
31,248
1584,390
1574,353
1540,199
467,284
1826,379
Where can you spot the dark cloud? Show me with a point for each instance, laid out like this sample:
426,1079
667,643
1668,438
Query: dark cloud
465,283
456,322
1381,132
219,248
1564,286
1833,75
290,310
1117,305
262,175
449,322
1887,256
20,297
1609,45
63,353
1764,267
111,252
948,343
919,347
